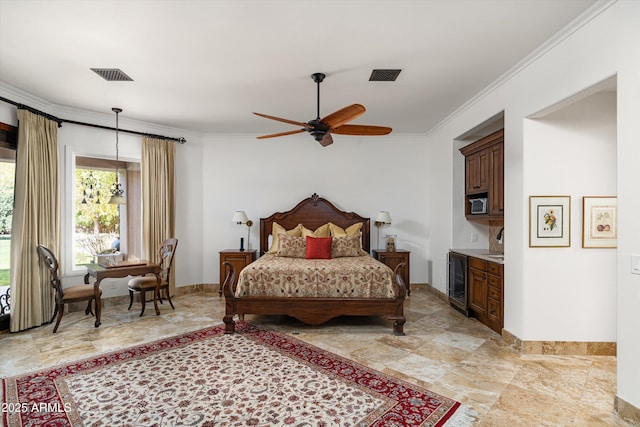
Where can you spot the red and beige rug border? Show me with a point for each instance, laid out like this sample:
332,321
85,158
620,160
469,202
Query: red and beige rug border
420,405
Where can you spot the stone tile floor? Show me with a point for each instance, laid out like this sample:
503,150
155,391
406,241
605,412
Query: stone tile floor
442,351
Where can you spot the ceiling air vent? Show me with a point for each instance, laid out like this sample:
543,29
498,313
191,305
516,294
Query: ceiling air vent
112,74
384,75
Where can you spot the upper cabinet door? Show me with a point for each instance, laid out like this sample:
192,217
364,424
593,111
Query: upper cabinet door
496,158
477,174
484,175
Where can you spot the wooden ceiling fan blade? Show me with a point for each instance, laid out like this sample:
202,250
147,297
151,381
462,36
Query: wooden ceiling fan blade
362,130
273,135
344,115
280,119
327,139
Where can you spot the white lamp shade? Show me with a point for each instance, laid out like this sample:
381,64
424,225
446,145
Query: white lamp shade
240,217
117,200
384,217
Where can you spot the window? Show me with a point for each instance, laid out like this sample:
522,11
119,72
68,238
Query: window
8,139
100,228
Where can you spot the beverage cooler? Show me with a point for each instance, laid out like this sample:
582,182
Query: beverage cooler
458,292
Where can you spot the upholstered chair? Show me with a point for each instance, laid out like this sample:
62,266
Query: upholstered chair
65,295
145,284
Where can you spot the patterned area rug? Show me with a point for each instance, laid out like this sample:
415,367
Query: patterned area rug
205,378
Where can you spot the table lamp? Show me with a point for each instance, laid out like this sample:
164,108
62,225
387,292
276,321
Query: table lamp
240,217
383,218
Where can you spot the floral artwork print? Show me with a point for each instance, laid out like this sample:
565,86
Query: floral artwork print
549,221
550,218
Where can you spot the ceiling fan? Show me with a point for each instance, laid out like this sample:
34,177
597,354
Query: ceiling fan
336,122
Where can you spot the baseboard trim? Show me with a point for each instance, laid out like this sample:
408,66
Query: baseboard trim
627,411
124,299
437,292
560,348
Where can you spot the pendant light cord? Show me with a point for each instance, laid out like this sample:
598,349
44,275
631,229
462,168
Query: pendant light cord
117,111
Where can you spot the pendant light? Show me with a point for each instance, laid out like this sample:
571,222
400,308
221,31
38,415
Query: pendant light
117,191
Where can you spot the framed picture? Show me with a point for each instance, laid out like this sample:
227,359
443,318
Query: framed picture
549,221
599,222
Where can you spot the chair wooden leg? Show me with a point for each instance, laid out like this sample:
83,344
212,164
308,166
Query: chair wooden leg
143,300
54,314
60,313
95,303
88,309
169,298
130,299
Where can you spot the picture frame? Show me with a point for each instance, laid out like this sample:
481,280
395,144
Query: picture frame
599,222
549,221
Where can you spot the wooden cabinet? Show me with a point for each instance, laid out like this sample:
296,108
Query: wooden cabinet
392,258
478,287
486,288
477,172
496,191
484,175
239,260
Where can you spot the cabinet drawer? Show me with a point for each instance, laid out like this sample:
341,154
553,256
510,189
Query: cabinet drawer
494,314
478,264
494,293
494,281
494,268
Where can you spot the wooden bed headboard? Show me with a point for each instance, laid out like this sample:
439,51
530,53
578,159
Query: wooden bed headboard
313,212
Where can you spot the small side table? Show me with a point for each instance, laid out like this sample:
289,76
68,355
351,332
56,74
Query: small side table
239,260
392,259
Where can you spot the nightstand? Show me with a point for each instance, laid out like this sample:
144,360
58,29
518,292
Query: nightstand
392,259
239,260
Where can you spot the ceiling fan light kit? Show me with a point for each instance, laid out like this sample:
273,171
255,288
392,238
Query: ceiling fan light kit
336,122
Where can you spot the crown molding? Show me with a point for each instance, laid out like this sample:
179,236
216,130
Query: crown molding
93,117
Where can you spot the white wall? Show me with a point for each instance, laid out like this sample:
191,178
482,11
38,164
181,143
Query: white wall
572,152
359,174
572,62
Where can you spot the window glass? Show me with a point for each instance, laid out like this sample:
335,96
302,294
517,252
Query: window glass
104,232
97,223
7,180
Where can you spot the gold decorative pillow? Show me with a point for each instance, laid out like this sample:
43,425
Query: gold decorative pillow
346,246
292,246
276,230
322,231
337,231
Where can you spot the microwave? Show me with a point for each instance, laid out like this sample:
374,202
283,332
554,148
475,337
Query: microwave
478,206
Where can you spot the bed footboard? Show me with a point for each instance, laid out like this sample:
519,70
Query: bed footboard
314,311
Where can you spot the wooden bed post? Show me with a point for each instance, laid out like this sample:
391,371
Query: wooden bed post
229,290
399,319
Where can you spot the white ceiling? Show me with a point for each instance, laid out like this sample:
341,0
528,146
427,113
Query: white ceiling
206,65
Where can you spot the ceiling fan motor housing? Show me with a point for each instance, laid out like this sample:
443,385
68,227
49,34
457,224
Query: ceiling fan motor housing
318,130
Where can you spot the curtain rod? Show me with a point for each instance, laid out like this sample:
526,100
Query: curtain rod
180,140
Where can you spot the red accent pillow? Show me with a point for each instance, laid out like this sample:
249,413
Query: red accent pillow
318,247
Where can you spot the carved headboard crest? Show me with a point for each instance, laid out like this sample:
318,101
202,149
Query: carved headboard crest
313,212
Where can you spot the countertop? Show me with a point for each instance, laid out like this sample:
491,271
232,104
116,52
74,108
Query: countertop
482,254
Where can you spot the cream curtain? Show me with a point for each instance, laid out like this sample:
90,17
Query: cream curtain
158,194
36,220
